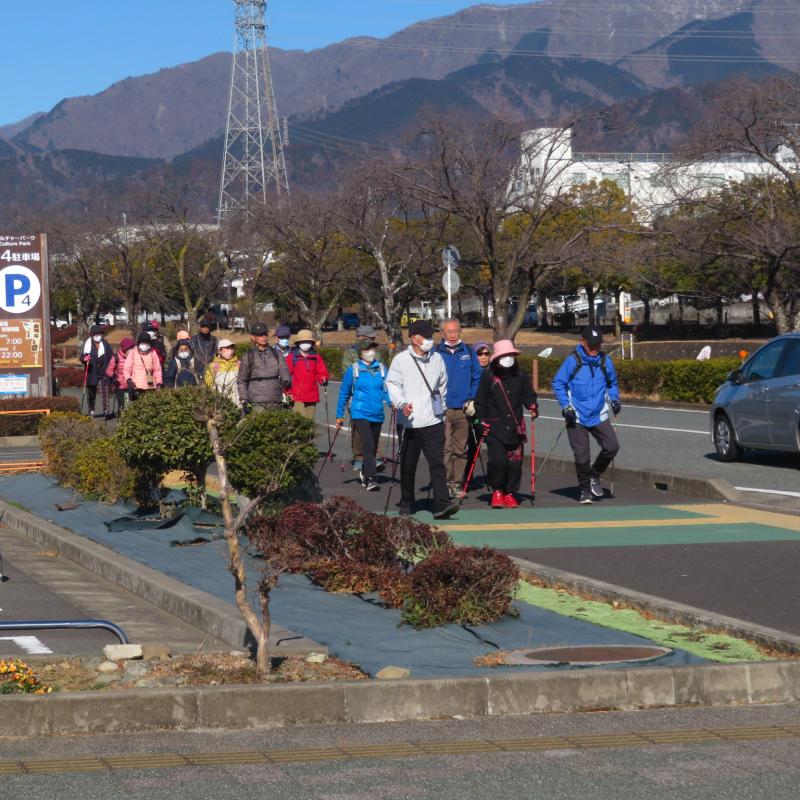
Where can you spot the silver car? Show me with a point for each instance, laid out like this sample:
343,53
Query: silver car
759,405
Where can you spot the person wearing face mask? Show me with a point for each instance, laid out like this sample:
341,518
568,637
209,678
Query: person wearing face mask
263,374
96,356
504,392
204,345
115,371
587,390
223,371
142,371
308,373
483,352
463,377
365,383
417,386
181,370
283,345
153,329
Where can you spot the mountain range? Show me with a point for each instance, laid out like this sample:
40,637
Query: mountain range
643,64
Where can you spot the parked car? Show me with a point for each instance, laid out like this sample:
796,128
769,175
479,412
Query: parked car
759,405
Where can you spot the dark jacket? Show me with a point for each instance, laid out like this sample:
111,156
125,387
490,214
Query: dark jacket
204,349
491,405
263,375
98,364
463,373
180,372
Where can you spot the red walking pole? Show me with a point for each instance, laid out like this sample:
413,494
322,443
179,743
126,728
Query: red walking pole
533,459
471,468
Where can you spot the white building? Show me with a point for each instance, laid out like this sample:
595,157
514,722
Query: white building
653,181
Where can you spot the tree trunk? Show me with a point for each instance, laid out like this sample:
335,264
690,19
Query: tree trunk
259,631
617,312
589,288
755,301
720,312
646,301
541,307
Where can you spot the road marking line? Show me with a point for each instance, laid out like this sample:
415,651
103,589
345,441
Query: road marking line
30,644
766,491
738,515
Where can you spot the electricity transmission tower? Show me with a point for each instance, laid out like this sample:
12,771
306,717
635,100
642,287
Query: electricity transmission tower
253,161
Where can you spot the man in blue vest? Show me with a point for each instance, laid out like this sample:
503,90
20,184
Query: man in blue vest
587,390
463,376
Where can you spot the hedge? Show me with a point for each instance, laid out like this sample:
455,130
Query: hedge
686,380
28,424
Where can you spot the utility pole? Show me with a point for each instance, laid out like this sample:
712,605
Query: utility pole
253,161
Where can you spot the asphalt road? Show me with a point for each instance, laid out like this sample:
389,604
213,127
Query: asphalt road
747,753
666,439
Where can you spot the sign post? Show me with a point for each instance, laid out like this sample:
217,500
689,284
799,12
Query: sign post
450,281
25,363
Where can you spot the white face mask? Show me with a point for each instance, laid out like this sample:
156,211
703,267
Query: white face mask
144,348
97,338
305,346
426,346
368,356
184,354
506,361
283,342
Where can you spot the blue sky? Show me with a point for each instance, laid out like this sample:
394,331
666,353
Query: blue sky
61,48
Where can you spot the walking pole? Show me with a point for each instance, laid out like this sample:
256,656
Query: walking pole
471,470
613,460
328,454
327,420
533,461
550,452
85,378
394,468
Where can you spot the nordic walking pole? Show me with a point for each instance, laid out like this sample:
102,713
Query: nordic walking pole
394,468
550,451
471,470
85,378
533,460
327,421
613,460
328,454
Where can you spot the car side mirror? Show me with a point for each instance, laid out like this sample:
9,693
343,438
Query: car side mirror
736,377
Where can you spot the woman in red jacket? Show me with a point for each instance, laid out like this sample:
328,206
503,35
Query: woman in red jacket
308,371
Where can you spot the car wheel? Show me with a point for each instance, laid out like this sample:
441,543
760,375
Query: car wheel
725,440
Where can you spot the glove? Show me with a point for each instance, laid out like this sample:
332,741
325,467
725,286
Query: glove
469,408
485,428
247,407
569,415
534,409
339,422
130,385
616,407
86,358
325,382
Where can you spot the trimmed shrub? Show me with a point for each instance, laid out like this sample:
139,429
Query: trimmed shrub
639,377
691,381
62,435
28,424
100,472
69,377
273,452
461,585
165,430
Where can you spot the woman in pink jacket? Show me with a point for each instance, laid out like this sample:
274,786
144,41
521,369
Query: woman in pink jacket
142,370
116,371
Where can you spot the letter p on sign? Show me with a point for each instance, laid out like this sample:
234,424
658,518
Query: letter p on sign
20,289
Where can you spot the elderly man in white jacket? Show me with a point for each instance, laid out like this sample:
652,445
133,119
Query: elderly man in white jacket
417,386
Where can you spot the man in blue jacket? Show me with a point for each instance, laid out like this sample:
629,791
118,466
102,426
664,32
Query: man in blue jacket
587,390
463,376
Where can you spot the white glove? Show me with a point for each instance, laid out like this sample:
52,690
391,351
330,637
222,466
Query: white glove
469,408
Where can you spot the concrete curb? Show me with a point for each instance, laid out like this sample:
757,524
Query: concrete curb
660,607
276,706
198,608
707,488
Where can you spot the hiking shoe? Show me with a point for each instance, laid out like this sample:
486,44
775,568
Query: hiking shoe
597,488
498,499
362,479
405,511
380,465
509,501
371,485
586,496
447,511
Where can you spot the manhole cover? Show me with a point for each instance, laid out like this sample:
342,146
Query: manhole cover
587,655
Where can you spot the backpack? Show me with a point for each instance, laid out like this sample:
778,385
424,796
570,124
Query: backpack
581,362
356,370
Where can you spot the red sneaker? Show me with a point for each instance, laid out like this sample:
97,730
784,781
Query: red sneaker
509,501
498,501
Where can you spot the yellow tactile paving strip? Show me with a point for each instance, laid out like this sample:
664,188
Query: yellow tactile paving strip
145,761
717,514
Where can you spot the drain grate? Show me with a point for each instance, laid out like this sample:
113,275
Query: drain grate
586,655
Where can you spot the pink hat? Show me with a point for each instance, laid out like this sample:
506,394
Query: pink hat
505,347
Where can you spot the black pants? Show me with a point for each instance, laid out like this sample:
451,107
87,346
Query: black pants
606,437
91,397
429,441
504,470
369,434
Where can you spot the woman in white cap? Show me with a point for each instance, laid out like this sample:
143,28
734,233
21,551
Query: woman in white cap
223,371
503,394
